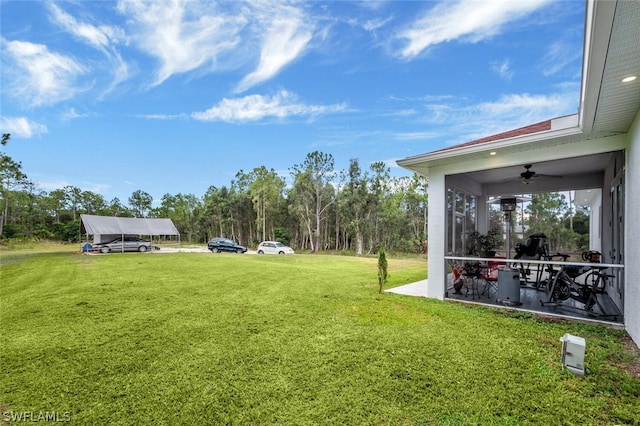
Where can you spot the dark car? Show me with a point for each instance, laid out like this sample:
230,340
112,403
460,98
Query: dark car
130,244
217,245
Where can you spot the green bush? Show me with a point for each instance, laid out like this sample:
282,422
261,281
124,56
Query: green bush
382,269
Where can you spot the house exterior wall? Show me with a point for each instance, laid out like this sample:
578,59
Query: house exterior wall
437,234
632,234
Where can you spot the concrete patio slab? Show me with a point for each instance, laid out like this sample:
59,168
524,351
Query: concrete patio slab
414,289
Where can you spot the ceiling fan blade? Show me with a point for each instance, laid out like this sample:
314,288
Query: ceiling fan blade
511,179
529,176
548,176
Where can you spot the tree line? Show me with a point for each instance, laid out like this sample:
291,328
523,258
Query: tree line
356,209
323,208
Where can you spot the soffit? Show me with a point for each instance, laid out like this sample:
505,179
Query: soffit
533,143
618,103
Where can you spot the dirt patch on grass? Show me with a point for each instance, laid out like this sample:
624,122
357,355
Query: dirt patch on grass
631,349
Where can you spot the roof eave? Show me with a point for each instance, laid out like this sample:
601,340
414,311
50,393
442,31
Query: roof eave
562,127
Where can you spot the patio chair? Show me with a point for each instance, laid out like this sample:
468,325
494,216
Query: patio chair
490,276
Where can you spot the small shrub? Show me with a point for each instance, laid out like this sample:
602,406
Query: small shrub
382,269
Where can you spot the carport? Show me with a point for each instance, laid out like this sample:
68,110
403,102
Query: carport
106,228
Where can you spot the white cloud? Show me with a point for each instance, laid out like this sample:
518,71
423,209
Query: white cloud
401,113
425,98
559,55
411,136
102,37
187,36
97,188
517,105
392,163
162,116
503,69
41,77
469,20
453,120
285,39
374,24
257,107
506,113
97,36
22,127
52,185
71,114
182,35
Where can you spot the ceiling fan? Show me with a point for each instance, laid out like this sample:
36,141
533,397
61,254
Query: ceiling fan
528,175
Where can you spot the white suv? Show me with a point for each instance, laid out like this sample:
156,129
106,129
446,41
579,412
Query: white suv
273,247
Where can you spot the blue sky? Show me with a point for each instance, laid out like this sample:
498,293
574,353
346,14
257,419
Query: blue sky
176,96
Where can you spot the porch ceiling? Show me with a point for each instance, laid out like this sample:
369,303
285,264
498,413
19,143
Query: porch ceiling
546,170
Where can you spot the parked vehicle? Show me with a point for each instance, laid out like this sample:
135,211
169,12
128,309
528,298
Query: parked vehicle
217,245
130,244
274,247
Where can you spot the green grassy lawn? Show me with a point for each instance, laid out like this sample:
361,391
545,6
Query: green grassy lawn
191,338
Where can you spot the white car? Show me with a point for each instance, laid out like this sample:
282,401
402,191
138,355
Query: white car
273,247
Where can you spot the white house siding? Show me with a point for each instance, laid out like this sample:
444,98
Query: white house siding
437,235
632,234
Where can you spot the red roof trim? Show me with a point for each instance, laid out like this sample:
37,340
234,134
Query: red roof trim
533,128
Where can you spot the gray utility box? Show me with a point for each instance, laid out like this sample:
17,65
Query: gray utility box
508,287
573,353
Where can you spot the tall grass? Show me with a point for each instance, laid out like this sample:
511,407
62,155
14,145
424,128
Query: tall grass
237,339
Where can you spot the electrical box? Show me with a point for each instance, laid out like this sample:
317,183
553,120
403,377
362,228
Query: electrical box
573,348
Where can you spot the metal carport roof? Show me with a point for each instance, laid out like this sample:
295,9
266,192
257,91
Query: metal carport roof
97,225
